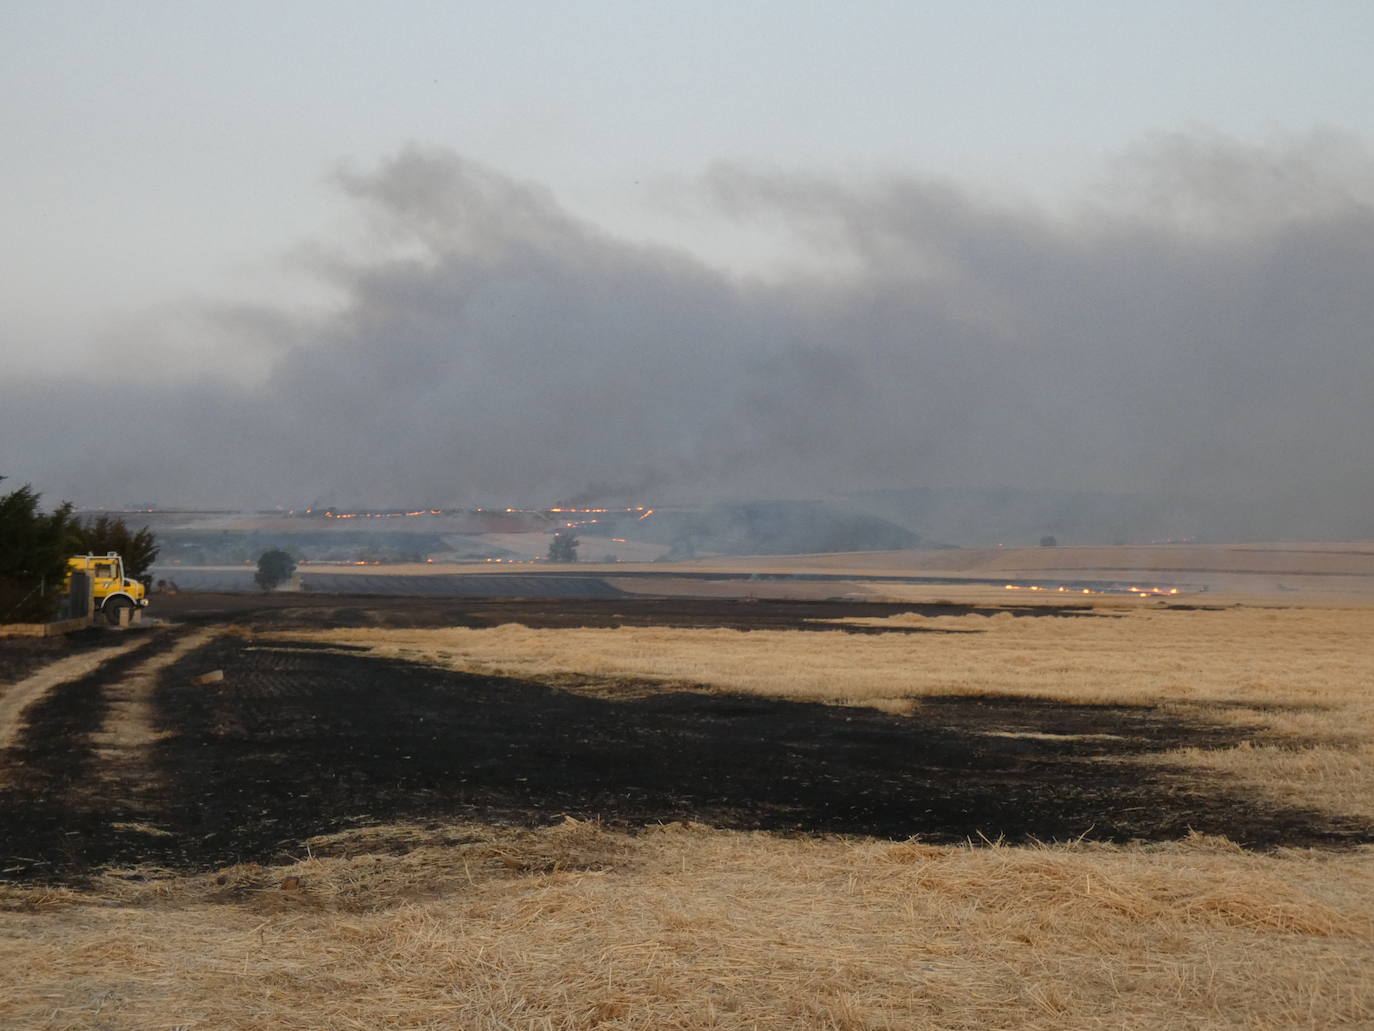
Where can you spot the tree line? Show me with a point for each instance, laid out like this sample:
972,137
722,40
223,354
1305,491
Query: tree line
35,546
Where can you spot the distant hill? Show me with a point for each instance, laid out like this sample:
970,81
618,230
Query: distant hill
760,528
1011,516
986,517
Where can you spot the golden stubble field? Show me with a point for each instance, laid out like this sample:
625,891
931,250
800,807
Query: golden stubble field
685,926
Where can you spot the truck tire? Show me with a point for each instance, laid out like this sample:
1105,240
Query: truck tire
112,608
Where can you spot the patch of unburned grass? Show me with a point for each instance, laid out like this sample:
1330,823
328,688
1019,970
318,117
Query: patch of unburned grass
685,927
1292,657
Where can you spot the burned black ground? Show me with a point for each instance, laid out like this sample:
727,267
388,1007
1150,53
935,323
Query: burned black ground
303,741
305,611
55,815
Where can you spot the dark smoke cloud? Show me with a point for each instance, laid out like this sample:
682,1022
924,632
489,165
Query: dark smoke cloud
1199,328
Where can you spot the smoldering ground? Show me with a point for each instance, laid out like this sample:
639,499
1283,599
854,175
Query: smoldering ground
1198,327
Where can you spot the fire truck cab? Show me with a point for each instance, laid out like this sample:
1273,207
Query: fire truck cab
112,590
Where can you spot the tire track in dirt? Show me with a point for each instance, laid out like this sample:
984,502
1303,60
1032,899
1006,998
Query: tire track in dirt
121,747
77,790
32,689
128,724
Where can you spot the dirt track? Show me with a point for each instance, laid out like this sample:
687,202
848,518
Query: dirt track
132,763
19,696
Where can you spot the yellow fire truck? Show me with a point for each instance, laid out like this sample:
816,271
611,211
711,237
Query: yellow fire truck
112,590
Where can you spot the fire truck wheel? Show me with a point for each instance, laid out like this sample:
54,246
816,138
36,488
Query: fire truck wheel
112,608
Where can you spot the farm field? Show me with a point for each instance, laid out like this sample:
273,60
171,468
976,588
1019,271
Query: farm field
693,812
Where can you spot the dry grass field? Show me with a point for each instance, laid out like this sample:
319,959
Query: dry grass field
577,924
688,927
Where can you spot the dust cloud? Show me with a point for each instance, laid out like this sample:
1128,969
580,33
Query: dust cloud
1194,332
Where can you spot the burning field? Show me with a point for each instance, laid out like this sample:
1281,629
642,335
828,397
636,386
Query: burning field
674,813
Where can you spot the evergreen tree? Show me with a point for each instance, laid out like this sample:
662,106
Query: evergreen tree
104,534
33,556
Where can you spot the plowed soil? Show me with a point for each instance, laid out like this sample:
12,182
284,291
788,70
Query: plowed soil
298,741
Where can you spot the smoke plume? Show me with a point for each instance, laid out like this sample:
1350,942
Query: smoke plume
1199,327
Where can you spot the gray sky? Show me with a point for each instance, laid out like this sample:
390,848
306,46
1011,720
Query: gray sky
203,195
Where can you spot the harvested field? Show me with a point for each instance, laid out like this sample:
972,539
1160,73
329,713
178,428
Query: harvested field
679,813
